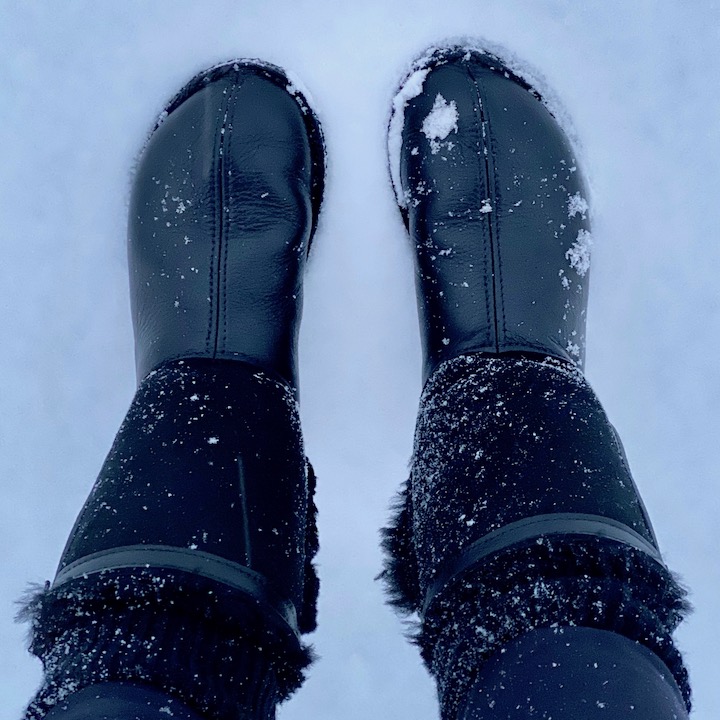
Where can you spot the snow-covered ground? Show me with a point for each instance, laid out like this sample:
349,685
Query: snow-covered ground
81,82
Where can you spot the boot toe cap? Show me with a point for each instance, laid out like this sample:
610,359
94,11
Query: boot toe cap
225,200
490,191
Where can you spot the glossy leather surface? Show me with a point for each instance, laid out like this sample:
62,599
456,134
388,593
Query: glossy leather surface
497,211
220,219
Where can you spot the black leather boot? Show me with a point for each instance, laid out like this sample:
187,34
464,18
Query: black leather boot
520,511
491,193
190,567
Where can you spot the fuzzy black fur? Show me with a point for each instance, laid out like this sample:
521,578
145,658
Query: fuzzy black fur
560,581
400,574
179,633
307,615
185,635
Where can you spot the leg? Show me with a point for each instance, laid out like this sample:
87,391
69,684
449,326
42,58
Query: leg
520,539
188,573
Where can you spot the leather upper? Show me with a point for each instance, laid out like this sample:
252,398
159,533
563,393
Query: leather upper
496,207
220,219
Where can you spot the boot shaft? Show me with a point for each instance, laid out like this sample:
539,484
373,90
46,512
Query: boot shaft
190,565
520,512
208,462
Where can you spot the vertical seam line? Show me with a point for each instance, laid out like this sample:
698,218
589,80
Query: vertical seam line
221,343
245,515
490,184
216,288
220,224
211,265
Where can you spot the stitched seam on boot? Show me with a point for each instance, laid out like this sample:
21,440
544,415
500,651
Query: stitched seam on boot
217,261
493,220
491,303
211,276
221,343
217,198
244,507
219,239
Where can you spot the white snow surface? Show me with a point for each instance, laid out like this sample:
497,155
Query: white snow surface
81,84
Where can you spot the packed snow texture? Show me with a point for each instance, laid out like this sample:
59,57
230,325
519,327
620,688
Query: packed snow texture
440,122
577,205
579,254
410,89
82,84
